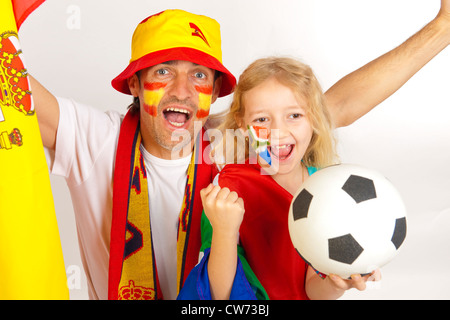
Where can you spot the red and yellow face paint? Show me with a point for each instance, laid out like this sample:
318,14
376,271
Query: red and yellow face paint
204,100
153,93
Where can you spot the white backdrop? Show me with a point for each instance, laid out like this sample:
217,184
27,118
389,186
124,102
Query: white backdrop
75,48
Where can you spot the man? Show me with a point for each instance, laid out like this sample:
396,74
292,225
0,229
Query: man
115,180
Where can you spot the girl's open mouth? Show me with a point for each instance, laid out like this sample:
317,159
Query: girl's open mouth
281,152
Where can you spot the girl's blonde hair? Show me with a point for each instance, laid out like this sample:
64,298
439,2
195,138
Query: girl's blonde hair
303,83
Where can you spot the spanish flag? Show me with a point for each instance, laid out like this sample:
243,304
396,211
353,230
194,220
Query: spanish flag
31,260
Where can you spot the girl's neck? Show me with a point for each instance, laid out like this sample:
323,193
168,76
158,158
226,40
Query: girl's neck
293,180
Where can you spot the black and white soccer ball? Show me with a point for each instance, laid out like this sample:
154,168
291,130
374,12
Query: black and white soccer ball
346,219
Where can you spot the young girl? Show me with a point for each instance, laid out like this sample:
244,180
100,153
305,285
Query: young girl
282,97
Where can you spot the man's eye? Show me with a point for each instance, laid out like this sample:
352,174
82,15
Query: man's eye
162,72
200,75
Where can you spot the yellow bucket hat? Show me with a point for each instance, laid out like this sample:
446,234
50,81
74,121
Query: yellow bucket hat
176,35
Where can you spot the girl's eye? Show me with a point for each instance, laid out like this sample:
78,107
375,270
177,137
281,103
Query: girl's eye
259,120
295,115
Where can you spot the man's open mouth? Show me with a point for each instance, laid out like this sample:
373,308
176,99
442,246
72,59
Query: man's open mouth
177,117
281,152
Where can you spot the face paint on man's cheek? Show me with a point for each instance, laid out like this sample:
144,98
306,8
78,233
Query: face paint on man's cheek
204,100
153,93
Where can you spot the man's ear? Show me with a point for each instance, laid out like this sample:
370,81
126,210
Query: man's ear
217,87
134,85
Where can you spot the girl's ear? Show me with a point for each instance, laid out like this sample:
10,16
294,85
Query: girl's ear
244,132
240,124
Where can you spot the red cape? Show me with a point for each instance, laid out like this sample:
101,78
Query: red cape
264,232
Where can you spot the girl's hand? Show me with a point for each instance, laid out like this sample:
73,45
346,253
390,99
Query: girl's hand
356,281
224,209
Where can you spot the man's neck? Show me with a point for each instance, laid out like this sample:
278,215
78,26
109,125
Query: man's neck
166,154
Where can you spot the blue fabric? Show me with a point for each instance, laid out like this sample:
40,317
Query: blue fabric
196,286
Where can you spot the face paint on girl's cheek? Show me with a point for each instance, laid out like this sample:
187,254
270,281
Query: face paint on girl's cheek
204,100
153,93
259,141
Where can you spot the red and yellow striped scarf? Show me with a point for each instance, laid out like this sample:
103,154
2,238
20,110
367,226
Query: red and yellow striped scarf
132,266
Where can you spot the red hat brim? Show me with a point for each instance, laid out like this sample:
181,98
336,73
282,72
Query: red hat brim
188,54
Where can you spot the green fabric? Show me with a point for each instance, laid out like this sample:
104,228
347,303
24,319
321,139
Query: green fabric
206,233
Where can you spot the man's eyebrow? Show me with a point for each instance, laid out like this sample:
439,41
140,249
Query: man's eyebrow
175,62
172,62
169,62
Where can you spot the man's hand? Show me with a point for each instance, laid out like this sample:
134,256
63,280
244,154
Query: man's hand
444,18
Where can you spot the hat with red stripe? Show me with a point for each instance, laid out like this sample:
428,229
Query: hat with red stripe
176,35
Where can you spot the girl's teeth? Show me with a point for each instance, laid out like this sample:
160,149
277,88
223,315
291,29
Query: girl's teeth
281,152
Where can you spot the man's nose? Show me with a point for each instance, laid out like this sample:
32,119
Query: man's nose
181,87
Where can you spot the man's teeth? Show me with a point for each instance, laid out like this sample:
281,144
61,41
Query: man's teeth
176,124
178,110
173,119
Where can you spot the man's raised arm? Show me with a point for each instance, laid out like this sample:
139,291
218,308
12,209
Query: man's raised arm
47,111
360,91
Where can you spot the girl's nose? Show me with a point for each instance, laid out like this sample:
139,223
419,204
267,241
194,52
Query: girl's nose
278,130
